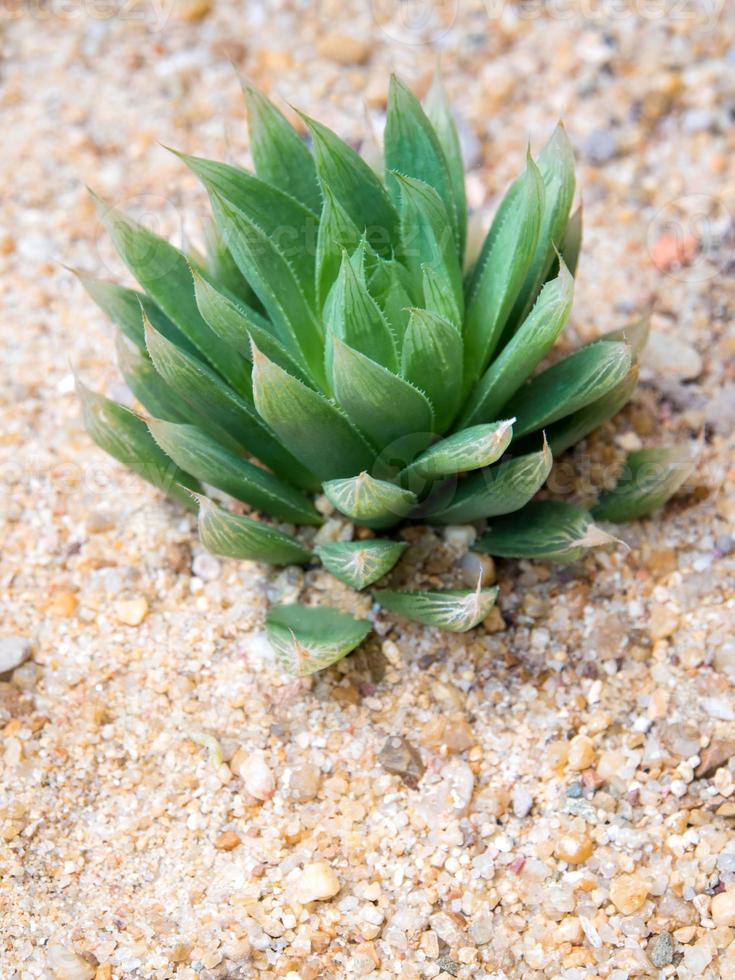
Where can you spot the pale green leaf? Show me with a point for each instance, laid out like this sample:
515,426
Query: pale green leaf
237,536
571,429
212,463
634,334
365,500
222,268
648,479
146,384
497,490
281,157
360,563
468,449
310,638
123,435
353,315
455,610
309,425
382,406
431,359
547,529
570,384
337,233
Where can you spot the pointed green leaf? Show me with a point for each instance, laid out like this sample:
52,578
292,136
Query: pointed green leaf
123,435
545,529
571,244
501,269
220,410
634,334
309,425
649,478
146,384
527,347
290,226
427,240
556,166
281,157
239,325
412,148
571,429
439,297
213,464
365,500
353,315
236,536
222,268
163,271
440,115
432,358
123,306
469,449
360,563
310,638
276,285
500,489
570,384
379,403
337,233
455,610
355,186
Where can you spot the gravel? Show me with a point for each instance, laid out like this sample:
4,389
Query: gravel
154,728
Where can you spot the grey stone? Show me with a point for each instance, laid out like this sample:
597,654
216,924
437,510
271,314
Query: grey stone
601,147
661,950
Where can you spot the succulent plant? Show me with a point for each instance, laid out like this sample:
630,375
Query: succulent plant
336,341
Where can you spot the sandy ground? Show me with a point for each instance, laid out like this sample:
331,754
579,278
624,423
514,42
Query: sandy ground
575,813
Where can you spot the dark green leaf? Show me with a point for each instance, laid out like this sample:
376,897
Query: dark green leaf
355,186
412,148
365,500
432,359
360,563
501,269
123,435
545,529
337,233
556,165
500,489
310,638
221,410
455,610
290,226
213,464
236,536
649,478
146,384
222,268
379,403
570,384
163,271
427,241
309,425
353,315
440,115
281,156
571,244
527,347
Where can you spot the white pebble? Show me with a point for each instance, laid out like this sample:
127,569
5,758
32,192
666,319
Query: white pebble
317,883
257,776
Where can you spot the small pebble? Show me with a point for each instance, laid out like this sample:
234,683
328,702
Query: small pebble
575,790
574,848
722,909
581,753
601,147
14,650
402,759
317,883
255,773
206,567
661,950
522,801
663,621
343,49
304,782
228,840
473,566
628,893
131,612
66,965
